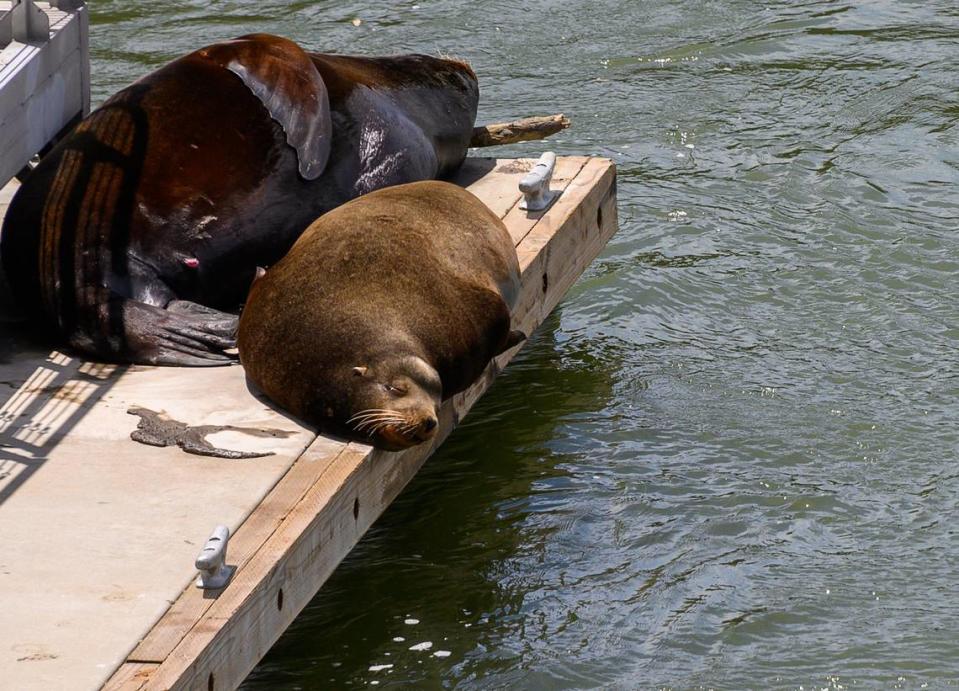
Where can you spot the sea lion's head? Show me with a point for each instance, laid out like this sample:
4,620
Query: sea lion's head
395,402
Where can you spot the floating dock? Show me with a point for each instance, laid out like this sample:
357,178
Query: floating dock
99,533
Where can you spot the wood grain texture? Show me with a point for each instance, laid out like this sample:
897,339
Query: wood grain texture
130,677
314,516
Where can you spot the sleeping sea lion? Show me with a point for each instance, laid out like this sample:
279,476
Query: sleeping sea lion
131,238
382,309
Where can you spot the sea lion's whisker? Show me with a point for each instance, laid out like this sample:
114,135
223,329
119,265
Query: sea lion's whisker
370,412
375,420
378,418
379,428
397,422
371,424
373,410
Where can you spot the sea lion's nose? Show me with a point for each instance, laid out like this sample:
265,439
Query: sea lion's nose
429,424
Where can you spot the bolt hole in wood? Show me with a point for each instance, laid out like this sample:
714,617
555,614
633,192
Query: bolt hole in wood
356,509
279,599
599,217
545,283
209,682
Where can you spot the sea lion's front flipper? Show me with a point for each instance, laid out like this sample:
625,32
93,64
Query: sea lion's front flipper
186,335
283,77
491,303
512,340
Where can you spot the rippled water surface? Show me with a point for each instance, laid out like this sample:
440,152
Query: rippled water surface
729,459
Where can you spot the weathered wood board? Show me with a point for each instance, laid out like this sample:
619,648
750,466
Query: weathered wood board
98,533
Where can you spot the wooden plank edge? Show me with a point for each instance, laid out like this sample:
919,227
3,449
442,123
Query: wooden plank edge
131,676
237,629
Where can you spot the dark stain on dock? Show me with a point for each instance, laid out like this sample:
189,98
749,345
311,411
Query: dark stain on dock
156,429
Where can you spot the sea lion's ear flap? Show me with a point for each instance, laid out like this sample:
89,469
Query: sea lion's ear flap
286,81
513,340
359,371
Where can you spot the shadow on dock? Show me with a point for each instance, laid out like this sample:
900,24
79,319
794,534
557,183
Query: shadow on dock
473,170
44,394
43,397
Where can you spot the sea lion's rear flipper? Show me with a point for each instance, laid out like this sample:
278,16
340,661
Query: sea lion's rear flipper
187,334
283,77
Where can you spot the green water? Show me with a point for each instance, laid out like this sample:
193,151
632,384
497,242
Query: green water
729,459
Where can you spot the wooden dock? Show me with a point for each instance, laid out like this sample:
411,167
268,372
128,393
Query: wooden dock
98,533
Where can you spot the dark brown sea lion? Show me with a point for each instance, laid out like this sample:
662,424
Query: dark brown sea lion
383,308
130,238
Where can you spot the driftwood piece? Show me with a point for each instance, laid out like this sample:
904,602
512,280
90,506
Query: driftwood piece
525,130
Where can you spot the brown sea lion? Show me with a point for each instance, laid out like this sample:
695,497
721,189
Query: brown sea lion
135,233
383,308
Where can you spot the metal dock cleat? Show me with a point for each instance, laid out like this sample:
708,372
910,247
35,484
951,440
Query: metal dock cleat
537,195
211,562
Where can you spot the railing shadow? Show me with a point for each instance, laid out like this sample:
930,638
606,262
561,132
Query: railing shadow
44,395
